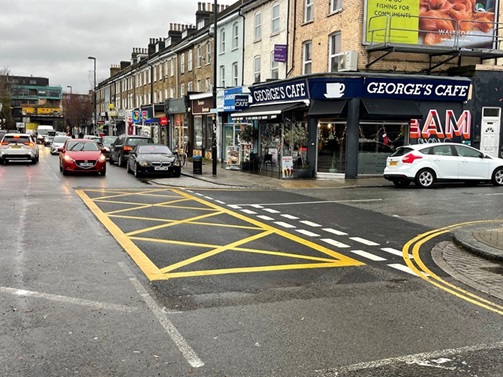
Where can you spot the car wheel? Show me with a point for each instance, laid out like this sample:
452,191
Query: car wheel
64,171
497,178
103,172
120,162
425,178
136,171
401,182
128,168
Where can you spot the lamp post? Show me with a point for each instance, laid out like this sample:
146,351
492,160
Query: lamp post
215,114
94,95
69,86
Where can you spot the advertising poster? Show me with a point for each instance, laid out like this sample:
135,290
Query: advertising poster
287,165
438,23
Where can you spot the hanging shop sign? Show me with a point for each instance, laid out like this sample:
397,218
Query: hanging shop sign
234,99
280,92
280,53
136,116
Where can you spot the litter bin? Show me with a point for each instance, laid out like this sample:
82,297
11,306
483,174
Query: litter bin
197,165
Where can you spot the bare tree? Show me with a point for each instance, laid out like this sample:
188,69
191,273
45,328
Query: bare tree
6,100
78,110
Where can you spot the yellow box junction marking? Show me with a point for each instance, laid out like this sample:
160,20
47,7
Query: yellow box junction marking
176,197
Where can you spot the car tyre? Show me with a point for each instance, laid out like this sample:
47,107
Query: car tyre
425,178
128,168
399,183
137,174
103,172
120,162
64,171
497,178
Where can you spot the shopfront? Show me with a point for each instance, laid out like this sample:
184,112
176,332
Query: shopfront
202,123
347,125
178,135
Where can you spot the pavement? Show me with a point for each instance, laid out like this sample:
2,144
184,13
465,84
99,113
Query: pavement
474,257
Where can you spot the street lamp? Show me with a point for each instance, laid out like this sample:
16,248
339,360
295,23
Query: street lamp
215,114
94,95
69,86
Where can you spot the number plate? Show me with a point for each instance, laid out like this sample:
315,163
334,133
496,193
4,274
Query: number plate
393,163
16,146
86,164
161,168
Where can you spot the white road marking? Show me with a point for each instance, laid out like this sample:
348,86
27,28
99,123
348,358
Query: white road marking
67,299
219,202
208,197
403,268
325,201
291,217
307,233
161,316
235,206
270,210
284,225
257,206
335,231
199,194
249,211
367,255
412,358
363,241
395,252
310,223
264,217
334,242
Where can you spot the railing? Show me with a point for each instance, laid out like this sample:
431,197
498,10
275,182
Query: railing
435,32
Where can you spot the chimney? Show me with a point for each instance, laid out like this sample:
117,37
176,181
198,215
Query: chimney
151,47
114,69
125,64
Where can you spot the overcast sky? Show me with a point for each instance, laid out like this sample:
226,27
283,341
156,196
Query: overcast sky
53,38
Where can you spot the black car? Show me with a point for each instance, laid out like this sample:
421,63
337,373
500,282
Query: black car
153,159
123,145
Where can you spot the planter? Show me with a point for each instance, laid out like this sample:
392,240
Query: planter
303,173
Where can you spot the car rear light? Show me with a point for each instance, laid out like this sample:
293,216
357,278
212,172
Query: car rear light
29,143
5,143
127,148
410,158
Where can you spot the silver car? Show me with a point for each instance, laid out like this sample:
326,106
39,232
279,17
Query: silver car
58,142
17,146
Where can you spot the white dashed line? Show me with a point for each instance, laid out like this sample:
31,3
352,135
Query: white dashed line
208,197
394,252
234,206
335,231
199,194
363,241
249,211
370,256
270,210
256,206
307,233
284,225
219,202
334,242
291,217
403,268
264,217
310,223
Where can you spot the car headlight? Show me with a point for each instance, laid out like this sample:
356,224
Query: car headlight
68,158
102,158
143,163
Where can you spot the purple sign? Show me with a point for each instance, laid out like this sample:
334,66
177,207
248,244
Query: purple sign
280,53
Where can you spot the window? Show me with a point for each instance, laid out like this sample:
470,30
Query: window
222,41
199,56
275,19
235,74
208,53
258,26
222,76
256,69
334,48
335,5
208,84
235,35
274,67
190,86
182,89
172,68
182,63
198,85
189,61
308,10
306,57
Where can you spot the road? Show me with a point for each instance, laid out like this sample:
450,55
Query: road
117,276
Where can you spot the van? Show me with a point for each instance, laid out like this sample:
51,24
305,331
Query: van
42,131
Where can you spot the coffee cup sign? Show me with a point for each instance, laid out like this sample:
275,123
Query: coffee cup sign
335,90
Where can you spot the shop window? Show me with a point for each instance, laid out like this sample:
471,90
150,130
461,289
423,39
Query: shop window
331,147
198,132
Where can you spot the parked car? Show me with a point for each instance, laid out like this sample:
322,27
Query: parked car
425,164
81,156
107,143
153,159
120,148
57,143
17,146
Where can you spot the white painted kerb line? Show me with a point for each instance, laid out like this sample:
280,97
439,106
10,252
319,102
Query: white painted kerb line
161,316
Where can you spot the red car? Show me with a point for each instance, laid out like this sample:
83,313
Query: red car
82,156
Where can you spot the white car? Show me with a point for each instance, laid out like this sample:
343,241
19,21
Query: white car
58,142
15,146
425,164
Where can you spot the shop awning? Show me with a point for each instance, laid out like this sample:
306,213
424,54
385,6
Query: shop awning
267,111
391,109
328,108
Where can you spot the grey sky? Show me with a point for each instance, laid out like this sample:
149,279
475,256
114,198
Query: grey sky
53,38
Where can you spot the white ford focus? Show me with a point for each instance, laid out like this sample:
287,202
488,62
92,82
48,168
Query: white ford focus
425,164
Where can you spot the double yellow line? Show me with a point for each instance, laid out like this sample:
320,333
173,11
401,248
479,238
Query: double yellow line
416,264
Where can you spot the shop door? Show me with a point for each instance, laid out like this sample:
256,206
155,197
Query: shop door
490,131
231,144
331,147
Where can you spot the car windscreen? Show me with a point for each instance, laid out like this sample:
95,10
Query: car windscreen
60,139
137,141
78,146
109,139
154,149
16,139
400,151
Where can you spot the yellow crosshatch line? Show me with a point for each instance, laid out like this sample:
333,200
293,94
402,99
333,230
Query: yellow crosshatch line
333,259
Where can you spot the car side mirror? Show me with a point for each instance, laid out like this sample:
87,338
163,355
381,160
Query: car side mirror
60,149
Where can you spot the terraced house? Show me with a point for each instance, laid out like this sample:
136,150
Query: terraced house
331,87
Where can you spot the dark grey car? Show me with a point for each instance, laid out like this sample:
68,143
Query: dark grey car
123,145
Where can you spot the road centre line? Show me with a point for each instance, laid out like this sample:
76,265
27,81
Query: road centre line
163,319
220,202
364,241
67,299
258,206
315,202
264,217
335,231
284,225
291,217
270,210
334,243
367,255
234,206
307,233
249,211
310,223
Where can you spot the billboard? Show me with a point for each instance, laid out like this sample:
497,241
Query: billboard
435,23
